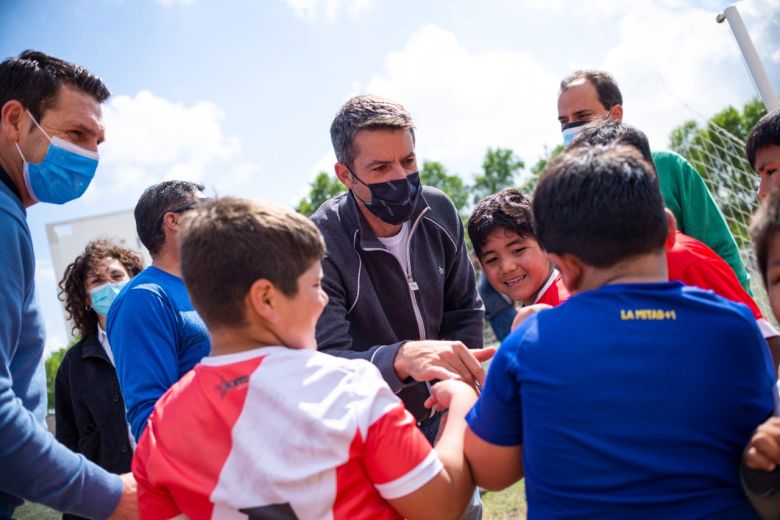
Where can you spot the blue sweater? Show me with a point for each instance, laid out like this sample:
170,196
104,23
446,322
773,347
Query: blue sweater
156,337
32,464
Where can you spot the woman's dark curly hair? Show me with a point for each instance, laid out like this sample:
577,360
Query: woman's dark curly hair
72,291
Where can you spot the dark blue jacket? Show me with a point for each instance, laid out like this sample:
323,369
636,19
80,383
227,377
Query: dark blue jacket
375,306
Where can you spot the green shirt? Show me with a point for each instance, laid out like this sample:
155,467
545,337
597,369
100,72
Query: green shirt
697,215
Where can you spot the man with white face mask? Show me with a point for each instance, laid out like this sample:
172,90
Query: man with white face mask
586,95
50,128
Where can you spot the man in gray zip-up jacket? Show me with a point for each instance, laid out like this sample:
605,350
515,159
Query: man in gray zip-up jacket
402,290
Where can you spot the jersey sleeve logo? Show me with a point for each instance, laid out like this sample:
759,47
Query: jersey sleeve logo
226,386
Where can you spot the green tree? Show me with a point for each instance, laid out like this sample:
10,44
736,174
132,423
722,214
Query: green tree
499,170
716,150
434,174
529,185
52,364
322,188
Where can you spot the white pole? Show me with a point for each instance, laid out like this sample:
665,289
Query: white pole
756,69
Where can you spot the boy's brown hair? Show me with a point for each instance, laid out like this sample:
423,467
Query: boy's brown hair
229,243
764,227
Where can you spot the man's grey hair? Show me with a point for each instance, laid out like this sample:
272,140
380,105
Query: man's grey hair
365,113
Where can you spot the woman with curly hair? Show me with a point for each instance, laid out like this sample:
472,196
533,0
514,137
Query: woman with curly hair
89,409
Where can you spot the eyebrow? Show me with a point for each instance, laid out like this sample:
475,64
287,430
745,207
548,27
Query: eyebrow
583,112
90,130
761,166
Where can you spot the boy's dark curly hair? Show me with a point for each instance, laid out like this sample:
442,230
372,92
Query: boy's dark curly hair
72,286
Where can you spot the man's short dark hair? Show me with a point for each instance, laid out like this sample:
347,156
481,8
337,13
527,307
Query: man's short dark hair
508,209
765,227
612,131
34,79
602,204
766,133
155,202
365,113
230,243
606,86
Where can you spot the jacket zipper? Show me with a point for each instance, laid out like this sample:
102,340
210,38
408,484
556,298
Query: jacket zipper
411,284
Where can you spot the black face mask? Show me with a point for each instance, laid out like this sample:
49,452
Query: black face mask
392,201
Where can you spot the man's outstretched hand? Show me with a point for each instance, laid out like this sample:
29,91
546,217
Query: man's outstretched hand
441,360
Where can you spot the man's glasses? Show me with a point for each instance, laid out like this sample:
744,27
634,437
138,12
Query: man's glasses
190,204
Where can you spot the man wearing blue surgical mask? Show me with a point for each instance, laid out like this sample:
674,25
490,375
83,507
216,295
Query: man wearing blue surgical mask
586,95
50,128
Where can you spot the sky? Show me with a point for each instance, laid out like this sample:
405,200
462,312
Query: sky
240,94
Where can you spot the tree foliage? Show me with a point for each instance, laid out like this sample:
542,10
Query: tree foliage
52,364
716,150
529,185
322,188
434,174
499,170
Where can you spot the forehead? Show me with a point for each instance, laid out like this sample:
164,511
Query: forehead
766,156
75,108
579,95
503,237
382,145
105,265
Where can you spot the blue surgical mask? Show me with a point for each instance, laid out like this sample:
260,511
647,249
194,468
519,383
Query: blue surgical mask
104,295
63,175
571,131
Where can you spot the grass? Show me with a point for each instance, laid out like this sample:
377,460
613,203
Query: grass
508,504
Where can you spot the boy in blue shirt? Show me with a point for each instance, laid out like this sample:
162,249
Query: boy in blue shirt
635,397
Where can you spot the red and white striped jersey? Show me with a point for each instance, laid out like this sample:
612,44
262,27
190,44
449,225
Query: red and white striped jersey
280,433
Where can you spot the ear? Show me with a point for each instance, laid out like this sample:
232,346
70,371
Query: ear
671,229
170,221
11,115
261,299
616,112
343,174
571,269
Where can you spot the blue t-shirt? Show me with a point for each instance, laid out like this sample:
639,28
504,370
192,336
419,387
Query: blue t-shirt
631,401
156,337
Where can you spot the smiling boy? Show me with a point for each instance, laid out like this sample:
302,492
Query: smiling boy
502,234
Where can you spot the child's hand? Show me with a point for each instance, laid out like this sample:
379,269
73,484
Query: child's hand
526,311
763,451
444,392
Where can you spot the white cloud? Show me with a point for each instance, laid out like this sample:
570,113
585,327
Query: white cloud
150,139
312,10
464,101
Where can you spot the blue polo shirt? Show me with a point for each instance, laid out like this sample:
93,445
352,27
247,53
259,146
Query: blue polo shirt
631,401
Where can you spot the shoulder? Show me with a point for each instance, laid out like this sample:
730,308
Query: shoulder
672,163
442,212
328,214
440,203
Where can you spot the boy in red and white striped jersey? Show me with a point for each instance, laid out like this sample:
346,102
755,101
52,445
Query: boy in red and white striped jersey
266,426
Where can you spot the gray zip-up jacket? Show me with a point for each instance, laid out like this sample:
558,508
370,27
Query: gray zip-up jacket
375,306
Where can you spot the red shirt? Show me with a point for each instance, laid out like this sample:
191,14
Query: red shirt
693,263
553,292
279,430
